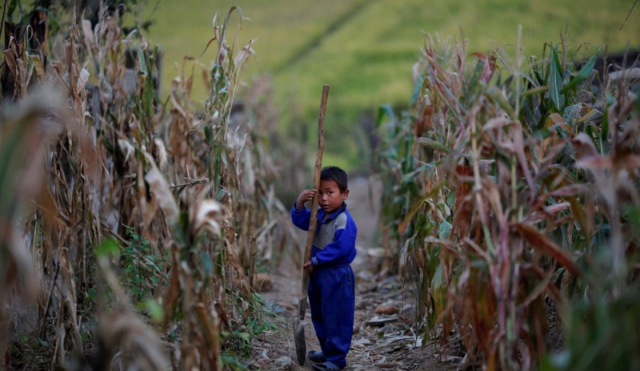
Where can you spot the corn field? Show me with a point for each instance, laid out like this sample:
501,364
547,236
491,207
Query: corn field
131,226
512,189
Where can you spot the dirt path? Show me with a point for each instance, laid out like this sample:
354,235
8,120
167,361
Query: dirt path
380,341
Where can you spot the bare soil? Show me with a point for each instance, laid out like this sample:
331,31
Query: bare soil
381,341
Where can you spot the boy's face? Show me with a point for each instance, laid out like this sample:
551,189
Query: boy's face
330,196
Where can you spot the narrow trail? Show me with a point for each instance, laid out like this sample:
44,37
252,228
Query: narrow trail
380,341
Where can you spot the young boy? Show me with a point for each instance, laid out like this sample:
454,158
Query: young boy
331,283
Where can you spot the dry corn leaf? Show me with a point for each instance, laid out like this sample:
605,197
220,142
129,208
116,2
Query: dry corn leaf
207,217
163,195
572,190
540,242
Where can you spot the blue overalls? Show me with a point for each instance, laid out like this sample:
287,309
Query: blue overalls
332,284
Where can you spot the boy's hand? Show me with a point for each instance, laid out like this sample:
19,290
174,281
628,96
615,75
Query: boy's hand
306,195
309,266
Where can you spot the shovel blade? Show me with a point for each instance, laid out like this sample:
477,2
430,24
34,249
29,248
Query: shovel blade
298,337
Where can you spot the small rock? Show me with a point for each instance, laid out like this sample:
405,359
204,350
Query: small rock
364,274
368,288
362,341
275,307
387,309
262,282
377,252
284,363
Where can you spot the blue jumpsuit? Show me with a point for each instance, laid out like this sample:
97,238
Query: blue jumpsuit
332,284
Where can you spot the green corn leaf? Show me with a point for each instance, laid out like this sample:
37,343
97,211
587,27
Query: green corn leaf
11,8
583,75
445,230
507,82
417,89
534,91
416,206
555,81
434,145
498,97
604,131
475,78
528,114
437,282
387,110
207,264
538,76
572,113
141,60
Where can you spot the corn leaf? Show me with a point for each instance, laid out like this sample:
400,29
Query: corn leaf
387,110
591,113
542,243
403,226
583,75
555,81
434,145
417,89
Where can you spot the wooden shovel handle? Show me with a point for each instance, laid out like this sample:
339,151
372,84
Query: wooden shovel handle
313,222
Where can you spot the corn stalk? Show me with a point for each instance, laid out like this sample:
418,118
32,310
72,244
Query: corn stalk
122,170
503,187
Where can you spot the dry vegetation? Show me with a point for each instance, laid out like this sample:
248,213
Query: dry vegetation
512,188
130,227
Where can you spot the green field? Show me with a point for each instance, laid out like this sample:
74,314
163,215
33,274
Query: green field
365,49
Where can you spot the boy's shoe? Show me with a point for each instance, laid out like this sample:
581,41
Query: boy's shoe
317,357
327,366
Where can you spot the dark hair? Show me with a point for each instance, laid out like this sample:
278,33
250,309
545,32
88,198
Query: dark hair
337,175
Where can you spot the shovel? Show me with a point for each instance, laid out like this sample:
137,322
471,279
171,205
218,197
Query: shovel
298,320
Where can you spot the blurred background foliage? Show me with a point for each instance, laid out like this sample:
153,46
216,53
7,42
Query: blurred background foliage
366,49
